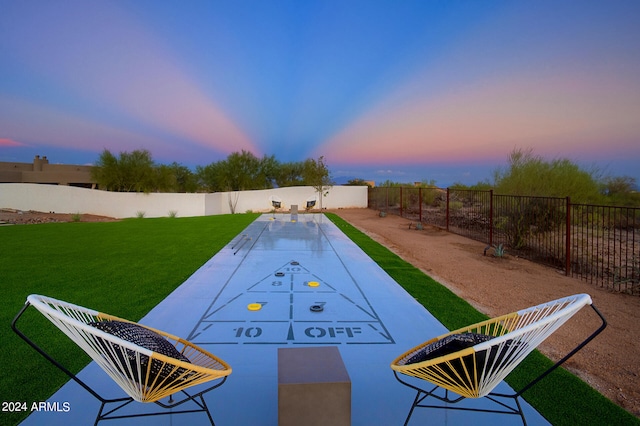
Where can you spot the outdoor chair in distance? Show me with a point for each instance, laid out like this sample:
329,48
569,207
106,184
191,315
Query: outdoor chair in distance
148,364
472,361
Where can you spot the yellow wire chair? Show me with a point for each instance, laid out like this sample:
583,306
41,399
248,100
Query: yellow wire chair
472,361
148,364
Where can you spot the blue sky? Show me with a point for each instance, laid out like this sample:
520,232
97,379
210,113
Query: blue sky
406,91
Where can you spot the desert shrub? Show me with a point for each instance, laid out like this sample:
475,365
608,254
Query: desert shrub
455,206
621,191
519,217
432,196
531,175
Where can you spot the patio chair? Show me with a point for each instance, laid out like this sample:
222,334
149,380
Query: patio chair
148,364
472,361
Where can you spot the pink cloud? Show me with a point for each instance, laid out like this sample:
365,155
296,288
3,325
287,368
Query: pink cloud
479,100
52,127
567,114
126,66
7,143
170,100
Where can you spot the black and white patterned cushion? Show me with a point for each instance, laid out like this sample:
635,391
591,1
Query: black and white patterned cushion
147,339
448,345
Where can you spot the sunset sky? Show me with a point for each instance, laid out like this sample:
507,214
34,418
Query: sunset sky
405,91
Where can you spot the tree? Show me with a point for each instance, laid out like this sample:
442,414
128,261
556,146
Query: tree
316,174
136,171
621,191
289,174
619,185
358,182
210,177
390,184
131,172
240,171
184,179
267,173
431,183
531,175
164,179
105,172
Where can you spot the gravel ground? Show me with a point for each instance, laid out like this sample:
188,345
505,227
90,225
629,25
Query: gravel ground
496,286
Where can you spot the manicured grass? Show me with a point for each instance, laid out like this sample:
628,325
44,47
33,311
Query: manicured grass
126,268
562,398
123,268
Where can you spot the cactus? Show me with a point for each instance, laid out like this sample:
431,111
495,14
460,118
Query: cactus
498,251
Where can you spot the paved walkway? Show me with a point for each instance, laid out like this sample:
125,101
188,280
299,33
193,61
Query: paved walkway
286,264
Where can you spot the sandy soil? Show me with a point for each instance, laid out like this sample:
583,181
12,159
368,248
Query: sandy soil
496,286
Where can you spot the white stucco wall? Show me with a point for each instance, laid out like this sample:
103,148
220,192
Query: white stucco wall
260,201
66,199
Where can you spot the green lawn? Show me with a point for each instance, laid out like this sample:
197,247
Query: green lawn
123,268
561,397
126,268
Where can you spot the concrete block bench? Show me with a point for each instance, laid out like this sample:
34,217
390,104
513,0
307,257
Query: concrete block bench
313,387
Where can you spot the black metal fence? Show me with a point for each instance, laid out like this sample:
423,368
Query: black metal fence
598,244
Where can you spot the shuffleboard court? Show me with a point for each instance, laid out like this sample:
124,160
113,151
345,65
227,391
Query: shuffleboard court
291,287
289,281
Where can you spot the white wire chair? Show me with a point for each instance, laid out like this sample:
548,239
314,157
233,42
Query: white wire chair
491,350
148,364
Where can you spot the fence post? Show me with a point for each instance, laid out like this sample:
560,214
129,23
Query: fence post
447,214
491,217
420,203
567,243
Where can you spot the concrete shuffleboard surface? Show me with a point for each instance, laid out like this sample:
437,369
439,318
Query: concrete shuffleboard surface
288,281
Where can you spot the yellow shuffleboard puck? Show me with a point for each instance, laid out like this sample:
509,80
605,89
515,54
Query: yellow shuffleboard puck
254,306
314,283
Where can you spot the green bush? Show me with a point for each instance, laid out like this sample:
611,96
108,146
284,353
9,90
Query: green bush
531,175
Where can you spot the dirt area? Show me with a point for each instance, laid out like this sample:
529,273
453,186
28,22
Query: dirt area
19,217
496,286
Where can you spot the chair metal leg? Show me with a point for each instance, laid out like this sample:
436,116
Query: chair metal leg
206,408
103,405
413,406
106,413
423,395
570,354
48,357
496,398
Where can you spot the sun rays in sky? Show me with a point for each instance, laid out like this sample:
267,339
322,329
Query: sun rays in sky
381,89
579,97
102,80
